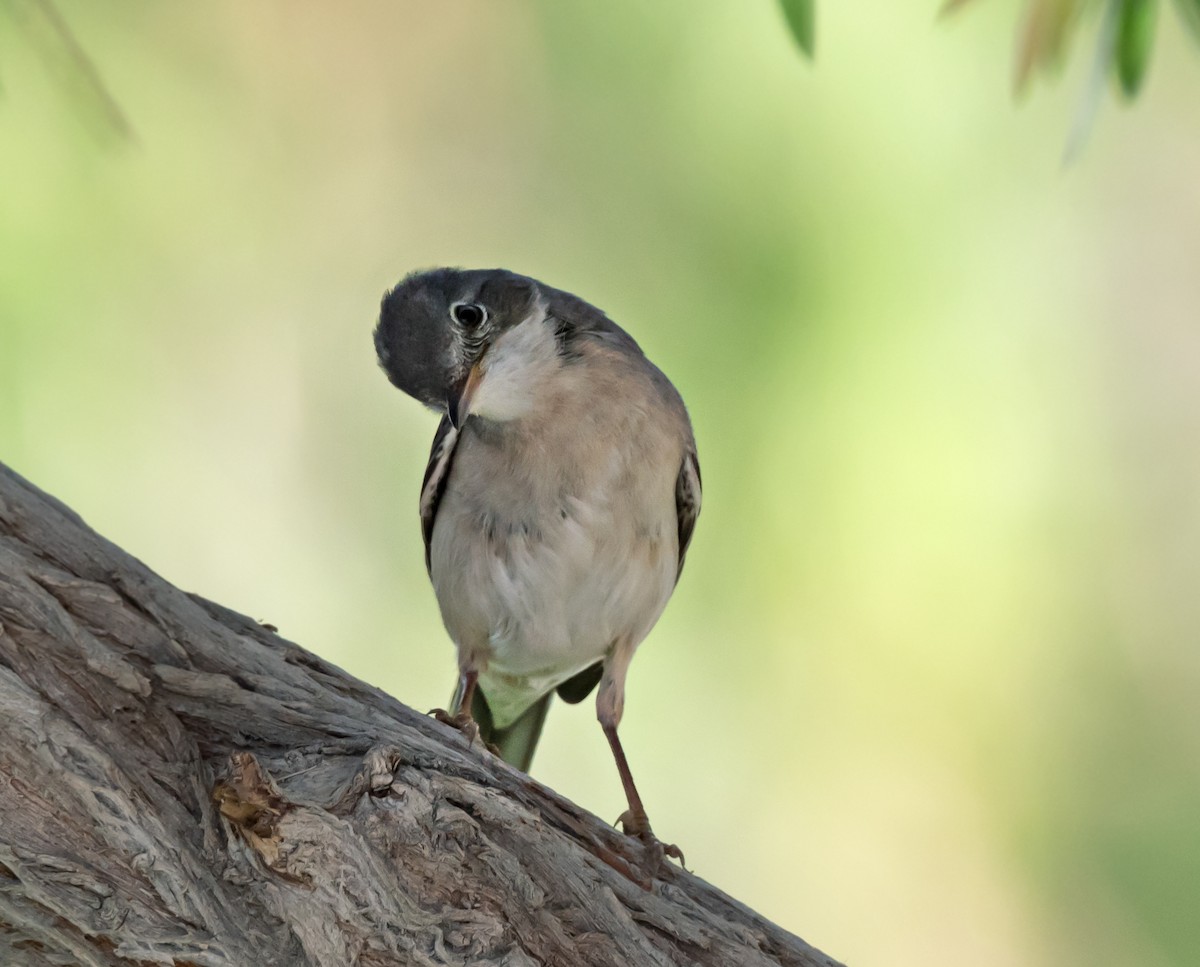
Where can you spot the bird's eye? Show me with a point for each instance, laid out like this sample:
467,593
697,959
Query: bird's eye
468,314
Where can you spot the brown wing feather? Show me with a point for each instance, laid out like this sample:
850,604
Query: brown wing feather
687,501
437,472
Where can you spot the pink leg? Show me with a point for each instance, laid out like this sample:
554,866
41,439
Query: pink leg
610,706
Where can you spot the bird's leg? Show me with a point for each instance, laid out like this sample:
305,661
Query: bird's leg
610,705
460,718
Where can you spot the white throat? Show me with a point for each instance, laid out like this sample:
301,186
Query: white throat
519,364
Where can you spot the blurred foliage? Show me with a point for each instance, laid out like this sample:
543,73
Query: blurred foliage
1049,25
801,20
926,692
1047,28
69,64
1135,39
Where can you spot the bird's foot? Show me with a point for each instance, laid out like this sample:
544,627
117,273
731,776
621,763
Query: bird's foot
460,720
636,824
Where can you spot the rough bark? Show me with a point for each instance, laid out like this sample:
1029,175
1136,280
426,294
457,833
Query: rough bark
180,785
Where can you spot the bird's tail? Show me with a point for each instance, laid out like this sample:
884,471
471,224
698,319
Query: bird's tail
516,742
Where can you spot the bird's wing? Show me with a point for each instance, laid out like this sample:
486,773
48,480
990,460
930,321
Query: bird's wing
437,472
687,501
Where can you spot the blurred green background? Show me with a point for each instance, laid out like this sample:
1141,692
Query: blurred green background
928,690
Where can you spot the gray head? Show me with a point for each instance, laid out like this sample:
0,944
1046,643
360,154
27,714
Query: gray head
435,326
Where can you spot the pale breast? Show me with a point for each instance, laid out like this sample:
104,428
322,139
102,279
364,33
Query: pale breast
557,535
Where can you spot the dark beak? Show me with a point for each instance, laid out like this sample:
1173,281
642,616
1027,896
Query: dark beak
458,400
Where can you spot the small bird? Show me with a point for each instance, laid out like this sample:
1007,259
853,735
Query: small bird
558,503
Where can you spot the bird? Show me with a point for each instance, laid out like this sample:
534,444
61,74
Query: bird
558,502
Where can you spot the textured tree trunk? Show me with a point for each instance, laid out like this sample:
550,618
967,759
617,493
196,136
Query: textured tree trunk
180,785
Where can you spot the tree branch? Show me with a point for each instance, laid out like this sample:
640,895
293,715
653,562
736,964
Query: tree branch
180,785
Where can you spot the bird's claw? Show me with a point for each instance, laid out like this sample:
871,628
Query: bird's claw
461,721
638,826
466,725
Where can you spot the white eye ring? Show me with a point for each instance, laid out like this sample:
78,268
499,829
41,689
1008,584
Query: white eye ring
469,315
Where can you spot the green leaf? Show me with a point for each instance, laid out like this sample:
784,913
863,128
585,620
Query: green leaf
949,6
1189,13
802,20
1135,39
